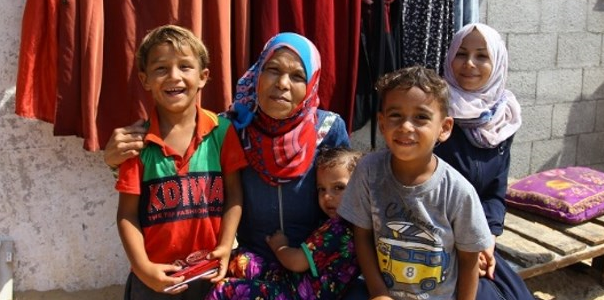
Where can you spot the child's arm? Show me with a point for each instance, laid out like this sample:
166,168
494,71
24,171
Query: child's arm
233,201
151,274
467,279
292,259
363,242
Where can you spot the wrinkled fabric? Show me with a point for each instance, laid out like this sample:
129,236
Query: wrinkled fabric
77,68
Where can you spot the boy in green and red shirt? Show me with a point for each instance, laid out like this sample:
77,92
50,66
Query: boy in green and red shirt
183,193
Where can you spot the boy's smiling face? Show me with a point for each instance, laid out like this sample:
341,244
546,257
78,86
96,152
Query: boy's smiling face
412,123
173,77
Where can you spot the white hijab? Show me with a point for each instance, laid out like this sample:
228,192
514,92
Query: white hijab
490,114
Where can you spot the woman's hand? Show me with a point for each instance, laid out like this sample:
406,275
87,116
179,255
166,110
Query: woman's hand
124,143
486,262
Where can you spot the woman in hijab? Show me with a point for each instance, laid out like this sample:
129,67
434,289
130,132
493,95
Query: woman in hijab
486,118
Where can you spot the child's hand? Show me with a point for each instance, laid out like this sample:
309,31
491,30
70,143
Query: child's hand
223,254
277,241
155,277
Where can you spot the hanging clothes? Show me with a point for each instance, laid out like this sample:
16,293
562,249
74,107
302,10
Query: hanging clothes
37,71
397,34
376,57
80,69
465,12
77,66
333,26
422,31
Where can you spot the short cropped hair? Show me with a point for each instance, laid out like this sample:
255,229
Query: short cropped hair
423,78
179,37
330,157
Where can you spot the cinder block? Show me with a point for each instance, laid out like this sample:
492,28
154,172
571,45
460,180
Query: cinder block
532,52
573,118
518,16
536,123
563,15
595,16
520,159
559,85
590,150
593,84
579,49
553,154
600,116
524,86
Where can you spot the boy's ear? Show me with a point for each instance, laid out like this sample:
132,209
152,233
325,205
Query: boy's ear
204,74
445,130
142,76
380,116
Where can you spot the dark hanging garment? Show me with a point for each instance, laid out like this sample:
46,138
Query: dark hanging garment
376,57
397,34
333,26
422,31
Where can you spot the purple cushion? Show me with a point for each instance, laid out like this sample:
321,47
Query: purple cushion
571,195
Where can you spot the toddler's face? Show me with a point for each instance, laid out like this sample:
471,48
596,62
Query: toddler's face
331,183
173,77
472,65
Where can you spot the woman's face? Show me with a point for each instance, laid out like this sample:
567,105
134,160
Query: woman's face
282,84
472,65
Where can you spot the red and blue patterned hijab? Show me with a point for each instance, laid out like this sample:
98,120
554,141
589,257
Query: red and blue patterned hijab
279,150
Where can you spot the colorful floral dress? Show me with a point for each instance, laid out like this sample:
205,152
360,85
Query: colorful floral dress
332,260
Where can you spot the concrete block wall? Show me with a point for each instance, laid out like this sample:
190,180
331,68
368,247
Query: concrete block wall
557,72
57,201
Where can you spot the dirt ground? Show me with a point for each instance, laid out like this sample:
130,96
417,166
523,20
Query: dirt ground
566,284
569,283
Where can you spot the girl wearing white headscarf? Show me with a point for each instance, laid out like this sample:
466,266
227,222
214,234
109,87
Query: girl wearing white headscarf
486,119
490,114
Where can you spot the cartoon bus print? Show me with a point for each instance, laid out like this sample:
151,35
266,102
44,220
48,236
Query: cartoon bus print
415,257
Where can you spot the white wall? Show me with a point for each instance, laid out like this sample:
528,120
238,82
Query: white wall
58,203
